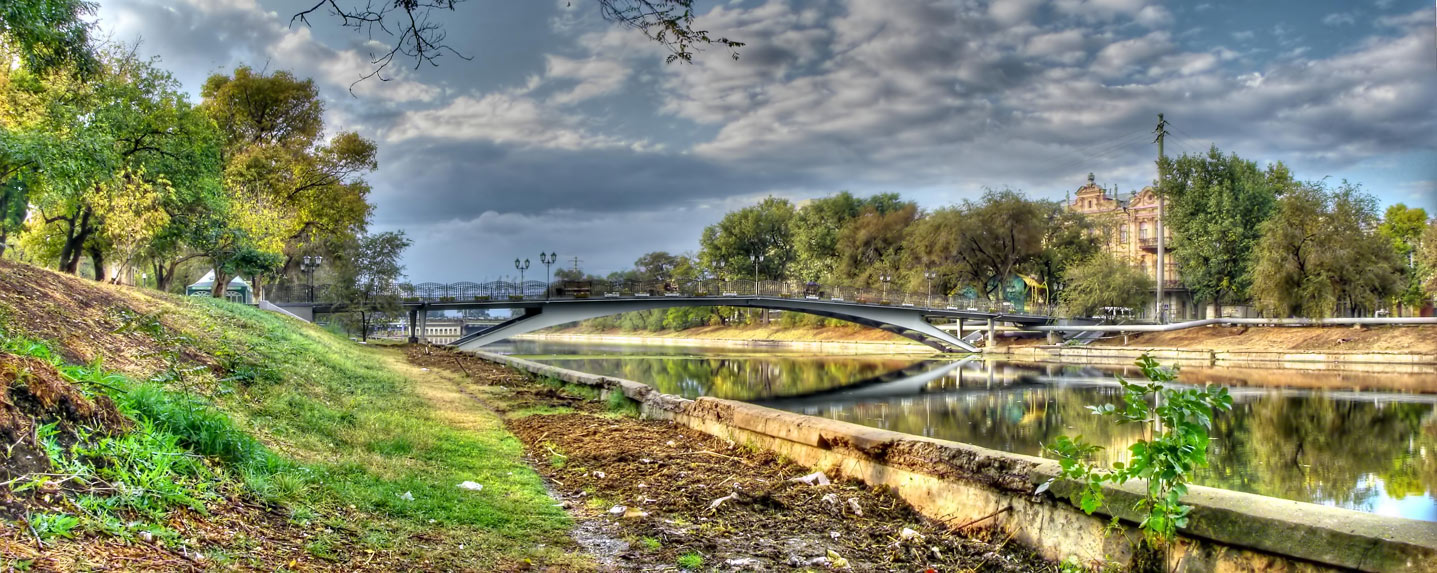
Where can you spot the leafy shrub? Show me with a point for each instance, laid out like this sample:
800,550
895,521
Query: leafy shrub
1180,421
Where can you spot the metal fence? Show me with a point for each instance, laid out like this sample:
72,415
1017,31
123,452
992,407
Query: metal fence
493,291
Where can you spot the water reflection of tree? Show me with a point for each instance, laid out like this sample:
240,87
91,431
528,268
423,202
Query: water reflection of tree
1319,449
738,378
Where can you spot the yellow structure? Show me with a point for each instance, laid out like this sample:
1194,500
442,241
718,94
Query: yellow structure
1132,225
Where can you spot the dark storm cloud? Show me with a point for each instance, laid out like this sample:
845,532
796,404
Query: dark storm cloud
440,180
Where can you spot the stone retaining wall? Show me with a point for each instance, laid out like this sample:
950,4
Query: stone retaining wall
961,484
1373,361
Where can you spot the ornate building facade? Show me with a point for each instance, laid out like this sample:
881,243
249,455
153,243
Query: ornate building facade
1132,229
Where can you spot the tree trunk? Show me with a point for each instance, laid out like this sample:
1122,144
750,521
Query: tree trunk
97,258
363,326
221,282
73,249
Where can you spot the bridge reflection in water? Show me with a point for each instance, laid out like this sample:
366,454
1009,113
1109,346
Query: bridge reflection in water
1370,451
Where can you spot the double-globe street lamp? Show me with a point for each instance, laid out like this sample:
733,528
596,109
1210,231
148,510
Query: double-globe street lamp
308,265
548,260
930,275
521,268
756,260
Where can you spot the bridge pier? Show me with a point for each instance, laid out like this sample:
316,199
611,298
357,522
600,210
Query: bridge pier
992,335
413,339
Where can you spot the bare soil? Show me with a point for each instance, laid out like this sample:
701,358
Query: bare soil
83,319
1416,339
646,493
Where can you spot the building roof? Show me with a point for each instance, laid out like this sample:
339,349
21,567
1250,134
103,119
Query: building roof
208,281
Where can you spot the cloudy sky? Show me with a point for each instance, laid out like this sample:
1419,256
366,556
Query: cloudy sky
568,134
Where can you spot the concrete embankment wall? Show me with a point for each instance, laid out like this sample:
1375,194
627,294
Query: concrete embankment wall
1358,361
961,484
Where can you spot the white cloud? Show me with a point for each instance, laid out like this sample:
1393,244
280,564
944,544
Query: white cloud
504,119
1340,19
594,77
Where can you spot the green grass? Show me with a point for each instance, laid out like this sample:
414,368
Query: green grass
691,561
358,427
650,543
620,404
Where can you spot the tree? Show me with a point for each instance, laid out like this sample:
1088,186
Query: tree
1069,238
49,35
369,276
981,243
669,23
759,230
113,147
287,187
872,243
656,266
818,223
1403,227
1428,253
1215,206
1103,280
1320,249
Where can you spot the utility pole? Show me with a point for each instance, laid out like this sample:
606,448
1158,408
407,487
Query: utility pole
1161,131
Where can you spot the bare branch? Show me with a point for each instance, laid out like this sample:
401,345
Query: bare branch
667,22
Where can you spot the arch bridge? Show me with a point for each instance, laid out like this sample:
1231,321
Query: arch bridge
536,306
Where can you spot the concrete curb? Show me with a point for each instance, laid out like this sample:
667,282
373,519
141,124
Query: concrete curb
960,483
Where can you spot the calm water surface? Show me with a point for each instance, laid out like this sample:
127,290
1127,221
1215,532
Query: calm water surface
1300,435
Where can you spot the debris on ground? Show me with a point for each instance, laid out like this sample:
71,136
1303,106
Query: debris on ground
668,491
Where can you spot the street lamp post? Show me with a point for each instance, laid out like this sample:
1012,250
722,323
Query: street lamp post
549,259
884,279
930,275
756,260
308,265
521,269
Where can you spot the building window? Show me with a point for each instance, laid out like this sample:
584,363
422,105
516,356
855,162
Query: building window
1142,230
1123,234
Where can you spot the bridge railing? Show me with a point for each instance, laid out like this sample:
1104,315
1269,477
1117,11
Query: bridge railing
532,290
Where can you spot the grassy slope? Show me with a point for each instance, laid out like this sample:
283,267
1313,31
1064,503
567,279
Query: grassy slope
360,426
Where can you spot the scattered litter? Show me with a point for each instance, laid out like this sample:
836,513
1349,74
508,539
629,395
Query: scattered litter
423,369
835,535
830,498
671,443
853,504
406,496
815,479
618,509
837,561
744,563
646,461
471,486
641,485
908,534
634,513
600,475
936,553
719,501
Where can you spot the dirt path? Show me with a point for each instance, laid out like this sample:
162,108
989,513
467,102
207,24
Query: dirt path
651,496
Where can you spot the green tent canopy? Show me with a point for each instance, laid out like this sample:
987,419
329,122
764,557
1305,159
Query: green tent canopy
237,291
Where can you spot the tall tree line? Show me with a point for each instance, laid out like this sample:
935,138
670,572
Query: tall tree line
105,160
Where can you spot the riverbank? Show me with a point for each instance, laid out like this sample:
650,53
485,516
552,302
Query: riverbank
653,495
963,484
1374,350
189,434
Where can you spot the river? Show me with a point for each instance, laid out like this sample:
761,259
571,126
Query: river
1306,436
